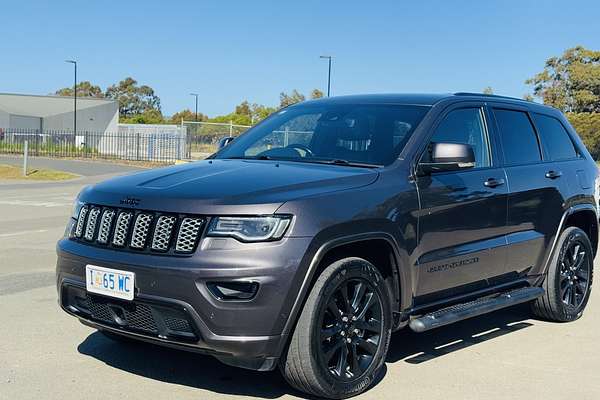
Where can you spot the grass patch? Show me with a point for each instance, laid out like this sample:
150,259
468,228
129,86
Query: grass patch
12,172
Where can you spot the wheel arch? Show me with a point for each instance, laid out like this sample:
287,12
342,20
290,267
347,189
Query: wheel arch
333,250
583,216
586,220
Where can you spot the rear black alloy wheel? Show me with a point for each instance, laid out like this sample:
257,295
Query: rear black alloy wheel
351,327
574,274
342,336
568,281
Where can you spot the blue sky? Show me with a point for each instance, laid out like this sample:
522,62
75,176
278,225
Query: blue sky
229,51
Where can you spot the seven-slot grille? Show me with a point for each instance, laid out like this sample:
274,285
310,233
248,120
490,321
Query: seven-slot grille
138,230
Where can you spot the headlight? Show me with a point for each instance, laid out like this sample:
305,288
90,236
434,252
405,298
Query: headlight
250,229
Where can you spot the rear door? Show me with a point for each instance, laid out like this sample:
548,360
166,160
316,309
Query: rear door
535,200
462,220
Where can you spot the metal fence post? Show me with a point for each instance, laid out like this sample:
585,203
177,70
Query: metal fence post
137,146
37,143
230,128
25,154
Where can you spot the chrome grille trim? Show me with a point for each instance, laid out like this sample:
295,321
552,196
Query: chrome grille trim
90,229
81,221
140,231
105,225
163,232
122,228
188,234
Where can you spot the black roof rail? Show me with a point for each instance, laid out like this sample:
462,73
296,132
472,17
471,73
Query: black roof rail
487,95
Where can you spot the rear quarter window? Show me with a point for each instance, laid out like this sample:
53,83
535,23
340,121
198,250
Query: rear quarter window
554,137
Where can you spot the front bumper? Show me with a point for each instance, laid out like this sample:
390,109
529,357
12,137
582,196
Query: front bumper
173,306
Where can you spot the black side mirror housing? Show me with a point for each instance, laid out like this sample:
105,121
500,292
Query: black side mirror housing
447,157
224,142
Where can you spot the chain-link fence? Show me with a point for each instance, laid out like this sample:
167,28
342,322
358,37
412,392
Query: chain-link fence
164,144
203,137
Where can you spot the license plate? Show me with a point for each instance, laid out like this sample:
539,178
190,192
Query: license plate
109,282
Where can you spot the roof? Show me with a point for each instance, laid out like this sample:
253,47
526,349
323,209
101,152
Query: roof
414,98
44,106
390,98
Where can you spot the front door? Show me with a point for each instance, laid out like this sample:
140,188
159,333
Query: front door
462,218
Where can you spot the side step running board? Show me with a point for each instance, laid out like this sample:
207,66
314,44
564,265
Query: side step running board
474,308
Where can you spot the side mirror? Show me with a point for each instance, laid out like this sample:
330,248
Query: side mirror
224,142
447,157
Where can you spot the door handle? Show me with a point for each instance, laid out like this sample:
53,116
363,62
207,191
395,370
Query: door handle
493,182
553,174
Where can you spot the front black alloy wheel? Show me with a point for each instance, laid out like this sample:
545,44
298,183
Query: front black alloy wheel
342,336
568,281
351,329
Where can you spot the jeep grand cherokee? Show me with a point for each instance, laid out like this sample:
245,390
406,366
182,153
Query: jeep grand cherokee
306,241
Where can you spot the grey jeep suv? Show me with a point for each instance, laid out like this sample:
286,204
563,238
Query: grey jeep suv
306,241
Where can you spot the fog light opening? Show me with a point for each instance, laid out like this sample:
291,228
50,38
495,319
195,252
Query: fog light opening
231,291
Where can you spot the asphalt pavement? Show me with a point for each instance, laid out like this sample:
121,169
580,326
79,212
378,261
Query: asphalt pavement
45,354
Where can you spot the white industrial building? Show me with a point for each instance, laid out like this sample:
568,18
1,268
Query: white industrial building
46,123
55,113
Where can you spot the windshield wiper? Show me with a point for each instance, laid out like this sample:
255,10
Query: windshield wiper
262,157
340,161
335,161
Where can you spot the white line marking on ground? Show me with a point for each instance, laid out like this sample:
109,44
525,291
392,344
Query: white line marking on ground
28,203
3,235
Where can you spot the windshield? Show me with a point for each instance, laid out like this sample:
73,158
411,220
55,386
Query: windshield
369,135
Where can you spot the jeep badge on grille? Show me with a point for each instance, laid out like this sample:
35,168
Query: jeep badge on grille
130,201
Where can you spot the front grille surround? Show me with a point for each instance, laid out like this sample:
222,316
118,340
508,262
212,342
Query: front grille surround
188,235
92,220
81,221
163,233
139,230
105,224
122,228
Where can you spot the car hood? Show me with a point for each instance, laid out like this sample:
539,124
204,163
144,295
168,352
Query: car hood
214,186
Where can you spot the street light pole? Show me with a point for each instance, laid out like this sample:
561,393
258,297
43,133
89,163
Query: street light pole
74,96
328,75
196,96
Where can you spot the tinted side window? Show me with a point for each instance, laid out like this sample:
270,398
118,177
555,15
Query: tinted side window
465,126
519,140
554,138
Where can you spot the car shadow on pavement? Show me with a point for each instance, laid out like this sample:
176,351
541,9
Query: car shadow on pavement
184,368
416,348
205,372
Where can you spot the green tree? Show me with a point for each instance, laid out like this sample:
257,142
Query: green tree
147,117
316,94
570,82
289,99
587,126
237,119
133,99
186,115
84,89
260,112
488,90
244,108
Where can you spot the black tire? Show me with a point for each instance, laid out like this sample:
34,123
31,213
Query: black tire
567,288
351,287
